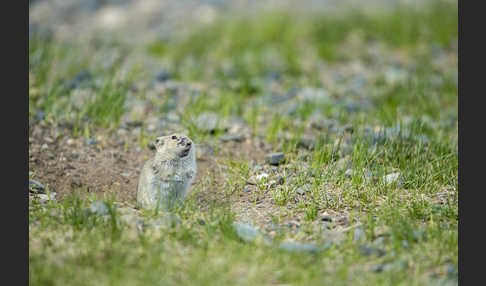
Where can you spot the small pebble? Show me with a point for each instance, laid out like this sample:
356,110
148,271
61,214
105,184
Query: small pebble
275,158
392,178
45,197
232,137
40,115
369,250
349,172
36,187
90,142
99,208
162,75
294,246
359,234
246,231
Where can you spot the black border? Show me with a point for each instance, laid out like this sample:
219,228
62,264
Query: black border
471,206
15,89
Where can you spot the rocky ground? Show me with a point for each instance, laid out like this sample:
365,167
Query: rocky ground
317,136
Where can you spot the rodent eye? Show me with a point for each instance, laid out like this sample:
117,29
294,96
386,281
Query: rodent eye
174,137
157,141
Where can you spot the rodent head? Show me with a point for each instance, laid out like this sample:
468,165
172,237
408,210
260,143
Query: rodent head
176,145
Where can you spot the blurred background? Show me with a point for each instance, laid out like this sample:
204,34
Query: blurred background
258,48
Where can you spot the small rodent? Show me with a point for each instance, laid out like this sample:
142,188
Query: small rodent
166,178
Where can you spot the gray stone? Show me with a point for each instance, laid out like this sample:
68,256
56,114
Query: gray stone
275,228
99,208
307,142
399,265
346,149
255,179
314,94
349,172
134,123
370,250
405,244
40,115
394,75
90,142
452,271
162,75
257,168
392,178
300,191
232,137
327,225
80,78
319,122
46,198
358,83
359,234
303,189
246,231
36,187
369,175
275,158
379,241
356,105
289,109
418,235
276,98
294,246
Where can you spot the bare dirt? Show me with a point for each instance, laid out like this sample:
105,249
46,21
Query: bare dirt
111,166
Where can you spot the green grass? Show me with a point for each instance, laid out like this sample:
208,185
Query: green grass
235,56
210,253
52,66
278,41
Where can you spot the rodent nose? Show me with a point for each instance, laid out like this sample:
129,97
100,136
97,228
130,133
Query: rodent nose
188,143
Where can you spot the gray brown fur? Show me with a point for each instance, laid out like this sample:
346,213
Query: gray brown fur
166,178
